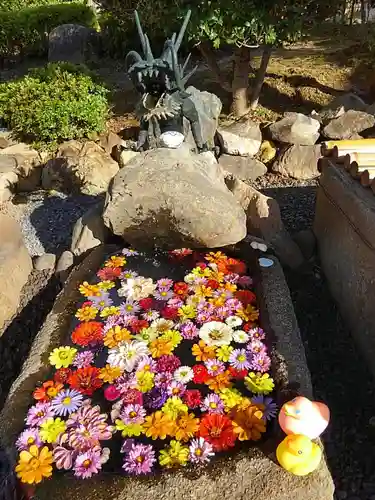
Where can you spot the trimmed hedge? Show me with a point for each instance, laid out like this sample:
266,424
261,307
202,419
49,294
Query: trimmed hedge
26,32
15,5
53,104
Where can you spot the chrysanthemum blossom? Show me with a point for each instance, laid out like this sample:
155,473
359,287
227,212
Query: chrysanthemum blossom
200,451
66,402
140,460
215,333
137,288
127,355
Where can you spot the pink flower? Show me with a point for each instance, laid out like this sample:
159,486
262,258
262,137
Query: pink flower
140,460
87,464
111,393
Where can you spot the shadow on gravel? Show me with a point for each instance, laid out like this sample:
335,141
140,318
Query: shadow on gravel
17,339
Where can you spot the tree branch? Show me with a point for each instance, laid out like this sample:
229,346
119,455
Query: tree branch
259,79
209,56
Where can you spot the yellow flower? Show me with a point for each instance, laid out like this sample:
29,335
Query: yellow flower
217,301
115,261
89,290
231,287
109,311
217,276
115,335
230,398
248,314
202,273
158,426
248,423
216,257
159,347
145,380
223,352
86,313
259,383
175,455
129,430
110,373
203,291
172,336
106,285
147,335
187,312
62,357
34,465
203,352
186,426
51,429
174,407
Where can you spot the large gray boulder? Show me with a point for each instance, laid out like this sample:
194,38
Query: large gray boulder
72,43
242,138
295,128
348,125
245,168
209,107
173,198
299,162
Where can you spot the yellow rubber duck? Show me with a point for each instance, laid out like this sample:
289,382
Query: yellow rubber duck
298,455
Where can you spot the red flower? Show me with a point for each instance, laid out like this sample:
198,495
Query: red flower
169,312
111,393
62,375
192,397
202,265
180,288
47,391
237,374
248,326
86,380
246,297
88,303
231,266
147,304
213,284
109,273
218,431
138,324
201,374
88,333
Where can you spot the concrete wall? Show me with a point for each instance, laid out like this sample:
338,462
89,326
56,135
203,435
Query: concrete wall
344,225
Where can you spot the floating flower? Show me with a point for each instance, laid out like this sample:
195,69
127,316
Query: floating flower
48,391
115,336
189,330
200,451
133,414
202,351
150,315
212,404
110,373
240,336
214,366
175,455
115,261
187,312
163,294
240,359
172,336
87,426
237,374
218,431
137,325
174,407
83,359
259,383
140,460
34,465
181,289
38,414
129,252
105,286
233,321
102,301
87,313
155,399
170,312
61,375
129,430
109,273
62,357
86,380
51,429
176,388
89,290
163,380
187,426
161,347
130,306
223,352
146,335
267,405
128,274
111,393
66,402
89,333
109,311
168,363
215,333
192,398
158,425
248,424
256,333
256,347
221,381
261,362
147,364
87,464
248,313
184,374
200,374
145,381
162,325
28,438
230,398
137,288
127,355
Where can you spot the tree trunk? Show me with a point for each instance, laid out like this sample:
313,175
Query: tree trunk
209,56
259,79
363,12
352,13
240,82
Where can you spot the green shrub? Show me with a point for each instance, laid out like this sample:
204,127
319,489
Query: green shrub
26,31
14,5
53,104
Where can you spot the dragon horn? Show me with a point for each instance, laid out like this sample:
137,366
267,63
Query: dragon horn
176,69
182,31
189,75
132,54
186,63
149,55
140,33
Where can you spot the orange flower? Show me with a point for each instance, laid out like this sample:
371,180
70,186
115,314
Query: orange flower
160,347
203,352
216,257
186,426
89,290
232,266
110,373
218,431
115,261
220,382
48,391
249,313
248,423
115,335
88,333
158,426
86,380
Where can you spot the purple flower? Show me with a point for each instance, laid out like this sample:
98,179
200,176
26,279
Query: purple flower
203,317
88,425
127,445
162,380
66,402
128,319
239,359
150,315
223,312
83,359
232,278
63,457
245,281
147,363
189,330
213,404
200,451
129,307
176,389
225,294
87,464
260,362
28,438
256,347
214,366
140,459
133,414
164,284
233,304
168,363
155,398
129,252
39,414
163,294
257,334
102,301
175,302
270,407
128,275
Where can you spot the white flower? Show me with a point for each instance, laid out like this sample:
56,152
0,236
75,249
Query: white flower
233,321
190,278
127,354
137,288
184,374
216,333
162,325
240,336
147,335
